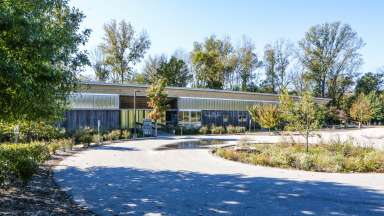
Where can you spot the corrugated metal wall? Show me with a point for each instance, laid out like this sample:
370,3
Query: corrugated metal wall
76,119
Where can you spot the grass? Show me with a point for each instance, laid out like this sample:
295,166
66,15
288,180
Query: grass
335,156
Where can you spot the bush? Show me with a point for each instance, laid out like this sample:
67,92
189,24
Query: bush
113,135
84,136
235,129
240,129
30,130
231,129
126,134
217,130
204,130
335,156
65,144
20,161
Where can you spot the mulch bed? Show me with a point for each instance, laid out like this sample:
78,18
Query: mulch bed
41,196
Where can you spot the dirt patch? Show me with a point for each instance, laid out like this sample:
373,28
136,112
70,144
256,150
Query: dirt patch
41,196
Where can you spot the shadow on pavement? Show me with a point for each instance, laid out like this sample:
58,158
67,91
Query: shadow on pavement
129,191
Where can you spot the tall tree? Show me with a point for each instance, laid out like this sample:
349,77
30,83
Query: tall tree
212,61
370,82
123,49
102,72
39,57
175,71
277,59
248,61
157,100
331,56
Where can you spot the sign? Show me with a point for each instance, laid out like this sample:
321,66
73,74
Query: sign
147,127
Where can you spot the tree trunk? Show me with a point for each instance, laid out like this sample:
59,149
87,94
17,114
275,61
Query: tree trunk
359,125
307,143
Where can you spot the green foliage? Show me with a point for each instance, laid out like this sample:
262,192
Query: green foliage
217,130
113,135
212,61
39,57
235,129
175,71
247,62
20,161
126,134
122,49
84,135
303,116
376,102
361,110
204,130
157,100
330,54
30,130
370,82
277,58
335,156
267,115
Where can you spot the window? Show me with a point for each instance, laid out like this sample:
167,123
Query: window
225,118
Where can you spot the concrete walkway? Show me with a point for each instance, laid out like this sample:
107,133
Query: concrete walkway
132,178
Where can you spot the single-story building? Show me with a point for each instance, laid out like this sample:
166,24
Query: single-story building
113,106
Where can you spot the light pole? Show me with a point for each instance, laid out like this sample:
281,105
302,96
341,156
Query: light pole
134,113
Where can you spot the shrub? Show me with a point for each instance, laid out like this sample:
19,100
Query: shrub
126,134
65,144
217,130
204,130
240,129
96,138
30,130
113,135
84,136
20,161
231,129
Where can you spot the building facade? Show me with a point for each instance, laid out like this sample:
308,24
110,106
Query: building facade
114,106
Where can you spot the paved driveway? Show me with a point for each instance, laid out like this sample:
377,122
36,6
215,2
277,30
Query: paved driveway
132,178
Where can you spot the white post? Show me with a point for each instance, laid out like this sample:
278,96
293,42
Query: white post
98,131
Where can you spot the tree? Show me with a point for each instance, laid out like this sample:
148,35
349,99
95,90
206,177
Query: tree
39,58
213,61
370,82
267,115
102,72
247,62
331,57
157,100
361,110
286,107
123,49
175,71
276,61
377,106
301,116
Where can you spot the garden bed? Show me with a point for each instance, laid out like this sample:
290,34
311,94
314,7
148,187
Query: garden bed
335,156
40,196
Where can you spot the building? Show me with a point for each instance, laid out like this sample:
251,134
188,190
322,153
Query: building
113,106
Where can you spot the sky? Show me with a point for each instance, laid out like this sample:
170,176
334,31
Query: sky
175,24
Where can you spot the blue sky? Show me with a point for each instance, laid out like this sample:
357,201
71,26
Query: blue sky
176,24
